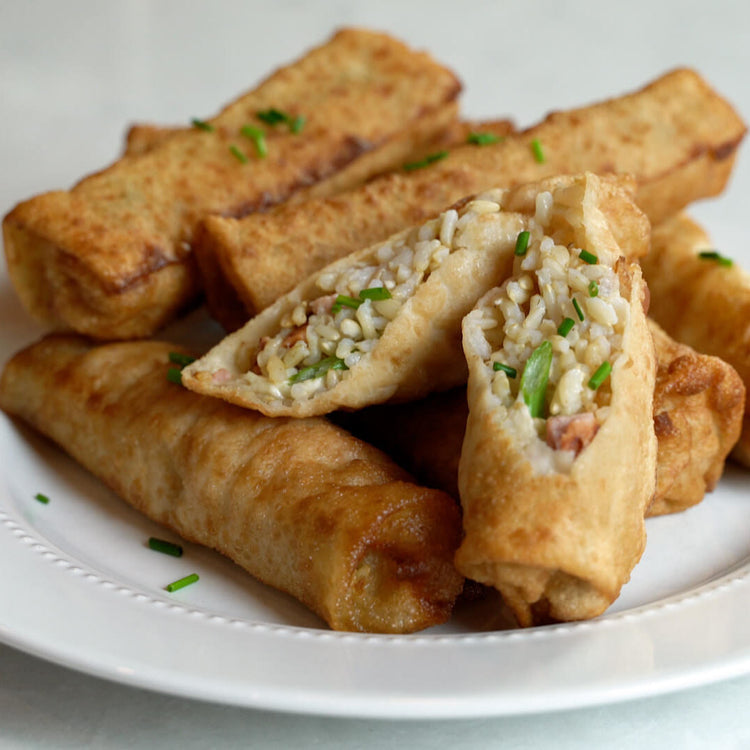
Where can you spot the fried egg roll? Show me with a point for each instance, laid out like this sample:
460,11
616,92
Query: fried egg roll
300,504
558,463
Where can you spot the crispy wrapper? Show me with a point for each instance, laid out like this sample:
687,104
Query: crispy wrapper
300,504
419,351
112,256
559,543
677,137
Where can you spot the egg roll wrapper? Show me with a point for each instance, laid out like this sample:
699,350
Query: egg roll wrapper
300,504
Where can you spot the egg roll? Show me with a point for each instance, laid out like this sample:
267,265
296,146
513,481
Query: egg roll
558,463
300,504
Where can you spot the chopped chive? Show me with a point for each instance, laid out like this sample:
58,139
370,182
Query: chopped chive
178,358
483,139
174,375
182,582
318,370
511,372
588,257
536,149
601,374
430,159
343,301
593,289
41,498
566,327
716,257
161,545
202,125
522,243
375,293
579,312
271,116
297,124
258,137
238,154
533,385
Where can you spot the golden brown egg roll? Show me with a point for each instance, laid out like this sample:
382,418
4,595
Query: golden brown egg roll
112,256
300,504
699,296
677,136
558,463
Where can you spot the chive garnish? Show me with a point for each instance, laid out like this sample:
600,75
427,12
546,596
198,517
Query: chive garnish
536,149
238,154
297,124
343,301
716,257
483,139
534,379
178,358
318,370
182,582
601,374
429,159
511,372
276,117
588,257
566,327
167,548
174,375
375,293
593,289
258,137
522,243
202,125
40,497
579,312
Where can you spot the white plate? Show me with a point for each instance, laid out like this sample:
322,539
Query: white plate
79,587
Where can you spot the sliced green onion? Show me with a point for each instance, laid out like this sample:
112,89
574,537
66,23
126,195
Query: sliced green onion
566,327
533,385
588,257
716,257
430,159
579,312
167,548
593,289
511,372
202,125
258,137
182,582
241,158
536,149
174,375
375,293
343,301
601,374
41,498
178,358
522,243
318,370
483,139
271,116
297,124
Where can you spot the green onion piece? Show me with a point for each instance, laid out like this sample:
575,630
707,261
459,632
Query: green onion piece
161,545
202,125
483,139
343,301
318,370
430,159
258,137
271,116
511,372
588,257
182,582
601,374
536,149
566,327
241,158
178,358
716,257
579,312
593,289
375,293
522,243
174,375
534,379
297,124
41,498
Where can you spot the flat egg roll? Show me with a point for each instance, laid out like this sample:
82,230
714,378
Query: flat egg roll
558,463
300,504
384,323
